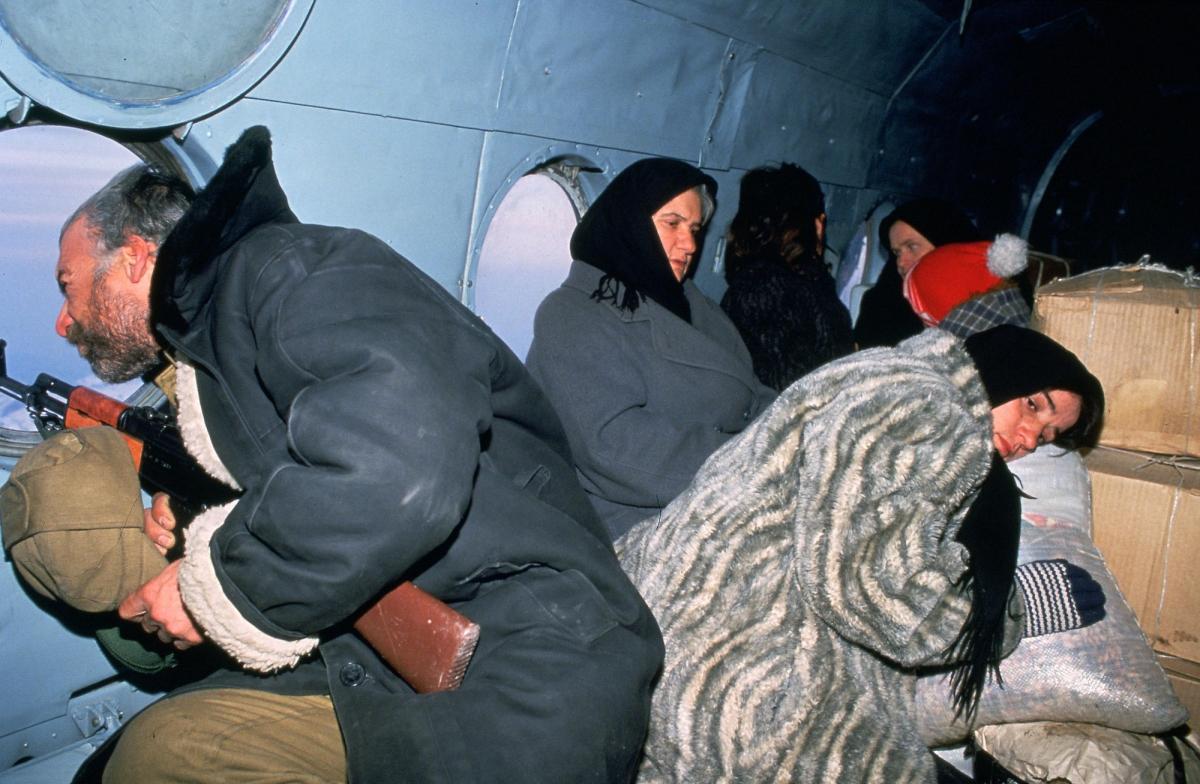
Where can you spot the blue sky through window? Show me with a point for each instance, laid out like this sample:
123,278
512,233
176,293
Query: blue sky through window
45,173
525,255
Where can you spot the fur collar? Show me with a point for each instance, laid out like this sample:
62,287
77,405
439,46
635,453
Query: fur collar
242,195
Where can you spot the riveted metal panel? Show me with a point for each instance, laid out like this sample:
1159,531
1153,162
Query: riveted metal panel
612,73
869,43
733,86
37,687
405,182
418,59
794,113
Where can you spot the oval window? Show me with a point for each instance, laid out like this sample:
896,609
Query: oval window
525,255
192,58
47,172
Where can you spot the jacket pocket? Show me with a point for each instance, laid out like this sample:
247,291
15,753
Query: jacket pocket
571,600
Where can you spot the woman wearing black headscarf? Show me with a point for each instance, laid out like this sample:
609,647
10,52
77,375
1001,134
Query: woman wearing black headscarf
909,232
863,527
647,374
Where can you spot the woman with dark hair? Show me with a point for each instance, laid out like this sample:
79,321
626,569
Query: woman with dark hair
863,527
647,374
781,297
912,230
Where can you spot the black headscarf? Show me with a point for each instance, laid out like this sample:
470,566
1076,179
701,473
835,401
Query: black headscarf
936,220
1012,362
885,317
617,235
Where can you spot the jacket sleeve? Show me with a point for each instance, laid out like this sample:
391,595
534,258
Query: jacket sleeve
383,389
883,487
624,449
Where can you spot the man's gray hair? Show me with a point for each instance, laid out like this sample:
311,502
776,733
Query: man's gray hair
140,200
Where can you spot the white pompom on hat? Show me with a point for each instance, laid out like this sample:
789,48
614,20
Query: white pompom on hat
949,275
1007,255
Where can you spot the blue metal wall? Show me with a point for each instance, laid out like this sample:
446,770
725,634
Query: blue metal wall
408,118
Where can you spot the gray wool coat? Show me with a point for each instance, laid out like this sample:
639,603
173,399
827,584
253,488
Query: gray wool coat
810,567
644,397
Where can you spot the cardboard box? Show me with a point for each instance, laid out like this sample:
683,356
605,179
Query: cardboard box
1138,330
1146,522
1184,676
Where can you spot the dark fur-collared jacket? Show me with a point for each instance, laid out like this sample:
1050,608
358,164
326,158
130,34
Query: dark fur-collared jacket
811,567
381,432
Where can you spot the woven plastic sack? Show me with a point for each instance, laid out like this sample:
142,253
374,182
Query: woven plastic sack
1103,674
1058,753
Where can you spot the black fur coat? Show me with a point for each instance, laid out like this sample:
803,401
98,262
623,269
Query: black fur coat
790,319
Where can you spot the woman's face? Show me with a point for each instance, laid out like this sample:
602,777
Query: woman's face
908,246
678,223
1022,425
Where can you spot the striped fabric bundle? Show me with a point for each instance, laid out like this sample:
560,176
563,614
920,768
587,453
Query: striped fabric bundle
1045,587
807,569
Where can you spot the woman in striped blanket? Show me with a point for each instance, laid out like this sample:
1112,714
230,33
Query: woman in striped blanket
862,527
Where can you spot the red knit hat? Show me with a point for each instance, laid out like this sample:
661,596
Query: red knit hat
949,275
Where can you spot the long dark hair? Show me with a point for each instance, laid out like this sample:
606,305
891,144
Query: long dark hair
776,219
1012,362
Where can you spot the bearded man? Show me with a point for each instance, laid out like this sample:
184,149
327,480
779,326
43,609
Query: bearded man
378,432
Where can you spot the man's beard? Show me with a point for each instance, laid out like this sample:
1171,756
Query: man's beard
119,347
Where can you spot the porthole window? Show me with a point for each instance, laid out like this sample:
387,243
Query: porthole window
47,172
192,58
525,255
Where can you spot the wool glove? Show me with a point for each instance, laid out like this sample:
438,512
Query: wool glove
1059,596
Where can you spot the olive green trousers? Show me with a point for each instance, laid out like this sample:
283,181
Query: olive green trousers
231,736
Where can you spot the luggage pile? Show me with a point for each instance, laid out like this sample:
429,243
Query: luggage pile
1137,328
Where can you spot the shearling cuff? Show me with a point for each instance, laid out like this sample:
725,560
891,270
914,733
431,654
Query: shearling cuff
216,614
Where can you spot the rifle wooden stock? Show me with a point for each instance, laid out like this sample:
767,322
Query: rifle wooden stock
427,643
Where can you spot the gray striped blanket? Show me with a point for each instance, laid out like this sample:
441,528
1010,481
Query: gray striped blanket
809,567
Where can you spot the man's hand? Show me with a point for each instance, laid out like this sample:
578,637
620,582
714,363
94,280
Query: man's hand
159,523
158,608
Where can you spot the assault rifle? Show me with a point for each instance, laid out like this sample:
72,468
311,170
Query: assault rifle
425,641
162,461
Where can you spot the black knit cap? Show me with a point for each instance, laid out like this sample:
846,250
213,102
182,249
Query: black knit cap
617,235
1014,361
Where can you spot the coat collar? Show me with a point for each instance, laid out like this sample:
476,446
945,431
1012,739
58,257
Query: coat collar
710,341
243,195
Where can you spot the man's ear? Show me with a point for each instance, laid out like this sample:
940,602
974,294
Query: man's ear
139,257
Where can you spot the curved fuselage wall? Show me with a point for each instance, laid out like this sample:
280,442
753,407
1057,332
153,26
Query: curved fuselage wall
406,119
